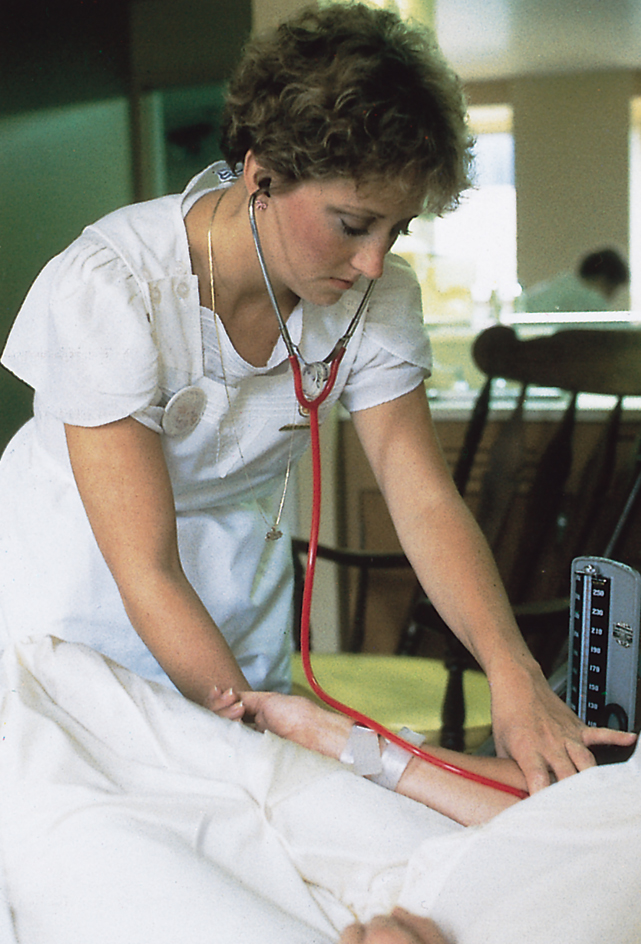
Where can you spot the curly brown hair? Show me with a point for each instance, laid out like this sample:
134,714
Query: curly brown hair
352,91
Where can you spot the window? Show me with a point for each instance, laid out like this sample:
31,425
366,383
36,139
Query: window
466,261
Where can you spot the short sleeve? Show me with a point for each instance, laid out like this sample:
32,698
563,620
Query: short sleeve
394,355
83,340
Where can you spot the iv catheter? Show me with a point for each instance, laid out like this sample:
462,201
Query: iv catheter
326,372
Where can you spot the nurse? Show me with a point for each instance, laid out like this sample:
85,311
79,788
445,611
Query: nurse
141,506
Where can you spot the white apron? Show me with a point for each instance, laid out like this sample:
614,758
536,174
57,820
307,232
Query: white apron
53,579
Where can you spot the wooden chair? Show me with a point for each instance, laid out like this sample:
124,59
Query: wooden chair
557,522
535,547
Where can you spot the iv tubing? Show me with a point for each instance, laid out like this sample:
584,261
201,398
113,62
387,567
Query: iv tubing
312,407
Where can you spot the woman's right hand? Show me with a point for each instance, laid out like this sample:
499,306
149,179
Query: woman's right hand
227,704
400,927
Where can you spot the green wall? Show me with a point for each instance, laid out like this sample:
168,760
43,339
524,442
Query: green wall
65,137
60,168
64,144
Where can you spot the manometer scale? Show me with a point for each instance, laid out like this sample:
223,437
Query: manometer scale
605,621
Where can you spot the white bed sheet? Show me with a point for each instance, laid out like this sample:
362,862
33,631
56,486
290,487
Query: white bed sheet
130,814
564,867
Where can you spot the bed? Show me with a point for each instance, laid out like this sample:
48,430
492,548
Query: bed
130,814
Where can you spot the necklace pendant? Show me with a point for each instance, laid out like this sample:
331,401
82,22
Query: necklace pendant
273,534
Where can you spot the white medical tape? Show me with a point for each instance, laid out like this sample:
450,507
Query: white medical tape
395,759
362,751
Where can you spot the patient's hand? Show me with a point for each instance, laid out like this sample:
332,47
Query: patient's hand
299,719
400,927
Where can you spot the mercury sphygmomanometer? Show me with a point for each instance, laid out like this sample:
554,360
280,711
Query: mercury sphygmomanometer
603,652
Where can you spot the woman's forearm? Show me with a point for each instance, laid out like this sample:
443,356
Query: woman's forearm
460,577
173,623
443,542
125,487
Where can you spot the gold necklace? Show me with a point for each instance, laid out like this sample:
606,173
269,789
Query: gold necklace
274,532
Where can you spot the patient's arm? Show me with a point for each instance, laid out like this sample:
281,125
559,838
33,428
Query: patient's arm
400,927
465,801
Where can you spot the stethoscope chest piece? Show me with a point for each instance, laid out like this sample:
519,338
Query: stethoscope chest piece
184,411
313,377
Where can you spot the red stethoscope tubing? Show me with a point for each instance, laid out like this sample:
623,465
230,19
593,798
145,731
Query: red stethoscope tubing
311,407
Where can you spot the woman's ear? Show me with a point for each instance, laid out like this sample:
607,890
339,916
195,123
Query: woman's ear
255,175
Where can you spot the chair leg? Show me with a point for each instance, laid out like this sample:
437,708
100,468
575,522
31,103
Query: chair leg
410,639
453,710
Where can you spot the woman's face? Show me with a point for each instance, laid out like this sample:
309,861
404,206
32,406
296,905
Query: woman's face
320,237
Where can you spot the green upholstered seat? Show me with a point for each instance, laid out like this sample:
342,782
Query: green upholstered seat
397,691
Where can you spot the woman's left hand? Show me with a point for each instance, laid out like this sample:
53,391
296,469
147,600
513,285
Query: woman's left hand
539,731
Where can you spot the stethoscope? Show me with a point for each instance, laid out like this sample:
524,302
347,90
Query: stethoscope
321,377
